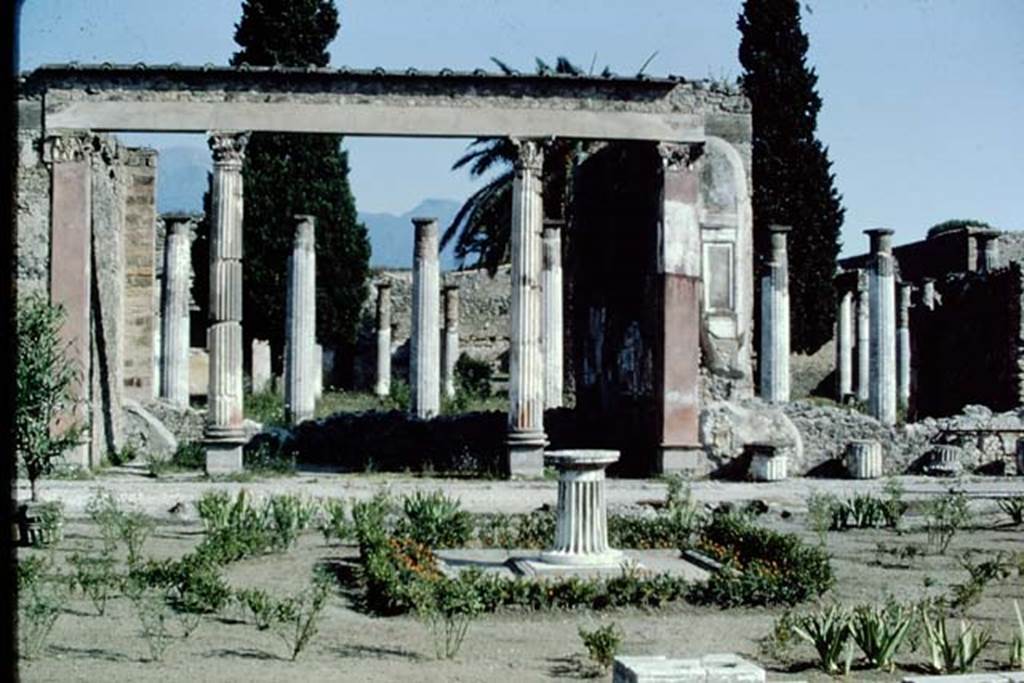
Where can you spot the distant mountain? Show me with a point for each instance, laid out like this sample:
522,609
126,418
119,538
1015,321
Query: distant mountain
391,236
181,182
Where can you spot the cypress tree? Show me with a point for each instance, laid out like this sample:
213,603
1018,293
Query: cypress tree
793,181
289,173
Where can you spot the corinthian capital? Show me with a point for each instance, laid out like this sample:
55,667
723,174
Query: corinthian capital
70,147
228,148
675,156
529,155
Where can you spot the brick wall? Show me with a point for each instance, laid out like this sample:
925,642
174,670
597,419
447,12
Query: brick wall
140,297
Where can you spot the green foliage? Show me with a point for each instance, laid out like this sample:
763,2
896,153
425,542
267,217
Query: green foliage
334,522
297,619
820,513
46,378
762,567
1013,506
473,376
435,520
946,515
189,455
39,606
50,516
370,520
259,604
156,617
267,408
894,505
879,632
448,606
968,594
956,224
793,182
828,631
287,174
399,395
953,654
602,644
118,526
532,530
96,577
268,457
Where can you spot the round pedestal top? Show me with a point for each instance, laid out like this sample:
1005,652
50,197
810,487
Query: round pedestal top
578,458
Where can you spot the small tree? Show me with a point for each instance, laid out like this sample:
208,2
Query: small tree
46,378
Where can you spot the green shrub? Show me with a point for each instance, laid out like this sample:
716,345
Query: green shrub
981,574
190,455
288,516
267,408
533,530
51,522
448,606
473,377
266,456
894,507
95,577
39,605
762,567
602,644
259,604
435,520
297,619
399,395
1013,506
118,526
334,522
156,617
945,516
370,521
820,513
45,390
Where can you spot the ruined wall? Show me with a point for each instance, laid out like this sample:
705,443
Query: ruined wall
140,297
483,320
970,349
32,251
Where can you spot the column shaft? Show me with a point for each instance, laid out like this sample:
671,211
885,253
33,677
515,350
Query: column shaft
553,337
450,350
844,346
224,433
526,437
300,330
775,321
882,394
903,346
863,338
425,357
174,314
382,386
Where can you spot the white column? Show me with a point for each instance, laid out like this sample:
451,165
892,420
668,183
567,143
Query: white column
903,346
553,337
318,371
174,314
863,337
581,528
260,372
844,345
300,330
775,320
425,356
526,437
882,382
451,339
224,435
382,386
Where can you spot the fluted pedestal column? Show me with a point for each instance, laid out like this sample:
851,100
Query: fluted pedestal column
551,288
882,393
425,358
903,346
863,459
300,325
526,437
581,528
224,435
863,338
844,346
775,321
382,385
450,349
174,313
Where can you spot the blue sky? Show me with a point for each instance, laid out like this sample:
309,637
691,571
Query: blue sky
923,99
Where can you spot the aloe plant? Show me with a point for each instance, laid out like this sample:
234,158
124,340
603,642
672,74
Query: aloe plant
828,631
953,655
879,632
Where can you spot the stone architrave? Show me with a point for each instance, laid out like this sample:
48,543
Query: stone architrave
175,309
677,343
224,435
928,295
261,375
382,386
300,330
863,337
775,320
882,380
71,266
318,371
844,346
425,352
526,438
450,349
903,359
551,288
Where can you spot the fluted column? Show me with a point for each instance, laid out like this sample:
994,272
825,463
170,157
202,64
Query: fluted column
844,345
903,345
581,527
174,309
300,330
863,337
551,287
382,386
775,320
882,393
224,434
425,358
450,350
526,437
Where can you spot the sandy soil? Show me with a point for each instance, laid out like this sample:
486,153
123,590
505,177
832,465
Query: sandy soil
353,646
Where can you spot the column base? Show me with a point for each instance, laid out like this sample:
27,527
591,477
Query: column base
223,457
688,460
525,455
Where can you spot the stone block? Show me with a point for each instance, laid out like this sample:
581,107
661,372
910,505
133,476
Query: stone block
944,460
863,459
718,668
223,457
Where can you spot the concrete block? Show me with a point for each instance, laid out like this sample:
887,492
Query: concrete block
715,668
